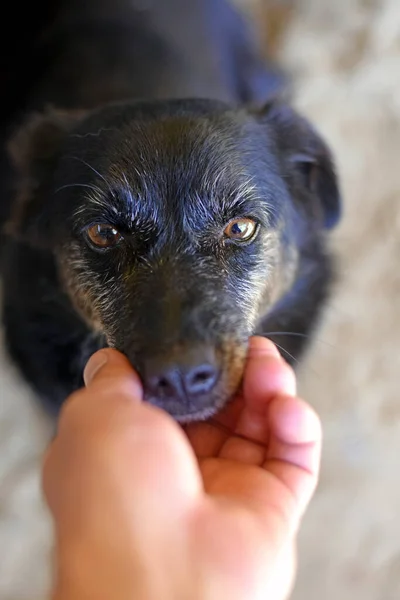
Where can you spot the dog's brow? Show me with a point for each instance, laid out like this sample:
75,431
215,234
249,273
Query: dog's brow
94,171
128,189
243,195
97,202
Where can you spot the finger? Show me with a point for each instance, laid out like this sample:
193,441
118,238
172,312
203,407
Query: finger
114,387
244,416
243,451
290,471
108,366
266,375
294,450
113,432
143,462
259,347
113,384
262,345
206,438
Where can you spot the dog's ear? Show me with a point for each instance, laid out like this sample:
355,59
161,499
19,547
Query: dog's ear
34,150
305,153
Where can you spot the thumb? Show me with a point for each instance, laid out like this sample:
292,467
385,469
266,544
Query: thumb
108,366
112,390
108,422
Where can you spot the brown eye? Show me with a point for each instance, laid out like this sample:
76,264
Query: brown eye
103,235
241,230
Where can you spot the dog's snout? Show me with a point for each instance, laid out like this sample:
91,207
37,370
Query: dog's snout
182,382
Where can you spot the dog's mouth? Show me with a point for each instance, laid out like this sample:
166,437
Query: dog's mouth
186,412
190,417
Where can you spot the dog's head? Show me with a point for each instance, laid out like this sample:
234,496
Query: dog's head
175,227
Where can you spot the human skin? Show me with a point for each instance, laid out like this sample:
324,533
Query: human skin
145,509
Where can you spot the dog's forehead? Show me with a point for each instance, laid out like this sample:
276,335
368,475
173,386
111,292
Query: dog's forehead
188,150
178,162
196,144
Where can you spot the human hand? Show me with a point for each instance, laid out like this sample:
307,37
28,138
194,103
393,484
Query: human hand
141,512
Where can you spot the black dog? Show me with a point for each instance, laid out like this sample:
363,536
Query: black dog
153,219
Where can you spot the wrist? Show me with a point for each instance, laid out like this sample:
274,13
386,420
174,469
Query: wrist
89,571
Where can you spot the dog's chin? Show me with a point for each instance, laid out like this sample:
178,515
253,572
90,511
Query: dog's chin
191,414
201,415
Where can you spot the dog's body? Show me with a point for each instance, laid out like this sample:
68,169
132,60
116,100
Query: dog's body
170,228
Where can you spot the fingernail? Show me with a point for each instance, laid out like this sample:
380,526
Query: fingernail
96,362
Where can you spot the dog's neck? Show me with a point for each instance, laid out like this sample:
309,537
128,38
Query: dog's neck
101,51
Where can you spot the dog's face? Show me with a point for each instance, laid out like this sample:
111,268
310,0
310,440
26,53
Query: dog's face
175,227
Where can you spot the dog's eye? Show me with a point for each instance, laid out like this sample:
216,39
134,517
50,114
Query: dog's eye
103,235
241,230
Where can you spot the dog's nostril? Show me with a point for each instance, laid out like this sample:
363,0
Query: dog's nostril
164,386
201,377
200,380
163,383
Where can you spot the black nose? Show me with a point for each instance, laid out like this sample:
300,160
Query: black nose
179,381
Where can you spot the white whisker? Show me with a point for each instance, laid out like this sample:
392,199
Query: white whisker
72,185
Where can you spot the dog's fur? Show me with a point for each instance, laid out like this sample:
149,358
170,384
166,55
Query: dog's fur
135,142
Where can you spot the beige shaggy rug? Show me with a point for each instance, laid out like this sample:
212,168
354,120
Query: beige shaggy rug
345,58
